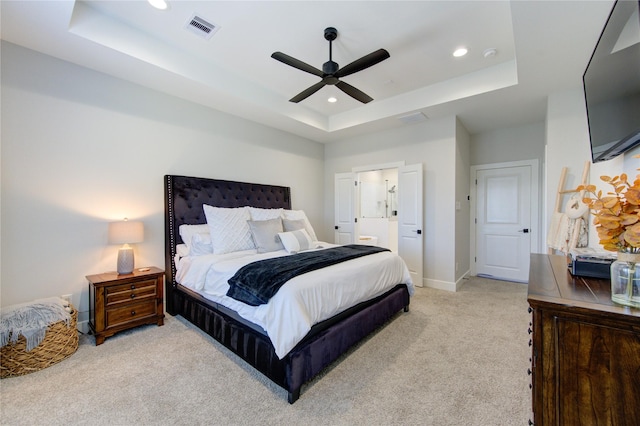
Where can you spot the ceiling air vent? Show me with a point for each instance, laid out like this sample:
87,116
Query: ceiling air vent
201,27
416,117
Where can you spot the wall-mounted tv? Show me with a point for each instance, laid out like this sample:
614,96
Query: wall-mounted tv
612,84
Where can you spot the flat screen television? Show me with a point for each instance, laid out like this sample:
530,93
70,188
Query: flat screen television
611,84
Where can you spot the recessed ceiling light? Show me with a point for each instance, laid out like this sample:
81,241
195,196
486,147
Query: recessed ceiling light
332,99
460,52
159,4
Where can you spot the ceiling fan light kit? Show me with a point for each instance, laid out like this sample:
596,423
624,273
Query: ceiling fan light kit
331,71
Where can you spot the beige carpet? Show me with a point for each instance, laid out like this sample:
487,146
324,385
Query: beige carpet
454,359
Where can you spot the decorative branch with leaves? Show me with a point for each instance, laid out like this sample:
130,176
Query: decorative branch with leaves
617,213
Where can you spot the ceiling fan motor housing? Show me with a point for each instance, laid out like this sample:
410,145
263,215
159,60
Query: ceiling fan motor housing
330,33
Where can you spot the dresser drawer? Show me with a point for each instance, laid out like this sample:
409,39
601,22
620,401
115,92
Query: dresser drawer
131,312
128,292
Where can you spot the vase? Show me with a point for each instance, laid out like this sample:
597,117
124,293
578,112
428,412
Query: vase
625,279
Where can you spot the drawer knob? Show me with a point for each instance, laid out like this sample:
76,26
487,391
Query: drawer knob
528,371
529,309
530,342
133,295
133,313
133,286
529,330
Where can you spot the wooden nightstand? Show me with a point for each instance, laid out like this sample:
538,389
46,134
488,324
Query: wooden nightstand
120,302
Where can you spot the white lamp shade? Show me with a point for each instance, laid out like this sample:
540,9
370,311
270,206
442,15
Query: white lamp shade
126,232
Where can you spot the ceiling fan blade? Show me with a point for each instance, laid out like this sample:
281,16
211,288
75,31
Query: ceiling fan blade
362,63
296,63
353,92
308,92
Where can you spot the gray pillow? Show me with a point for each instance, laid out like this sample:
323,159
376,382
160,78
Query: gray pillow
293,225
265,234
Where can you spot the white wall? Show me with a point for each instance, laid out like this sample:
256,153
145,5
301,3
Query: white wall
431,143
524,142
463,205
80,149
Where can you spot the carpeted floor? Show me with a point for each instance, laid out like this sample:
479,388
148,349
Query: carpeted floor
454,359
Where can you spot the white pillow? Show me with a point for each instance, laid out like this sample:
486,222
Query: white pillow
229,229
188,231
182,250
201,244
265,234
264,214
296,241
300,215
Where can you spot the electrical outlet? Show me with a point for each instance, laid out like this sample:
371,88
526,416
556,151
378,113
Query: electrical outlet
66,297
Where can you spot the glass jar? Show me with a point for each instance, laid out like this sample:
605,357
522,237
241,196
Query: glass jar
625,279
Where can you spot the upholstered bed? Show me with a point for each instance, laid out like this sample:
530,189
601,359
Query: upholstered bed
324,343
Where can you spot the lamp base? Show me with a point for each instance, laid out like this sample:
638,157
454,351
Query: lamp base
125,260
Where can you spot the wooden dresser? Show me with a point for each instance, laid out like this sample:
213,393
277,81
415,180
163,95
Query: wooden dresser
585,349
120,302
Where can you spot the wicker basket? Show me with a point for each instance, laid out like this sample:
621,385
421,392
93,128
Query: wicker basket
59,342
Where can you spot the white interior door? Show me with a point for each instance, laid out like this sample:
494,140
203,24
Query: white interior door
410,232
503,228
345,211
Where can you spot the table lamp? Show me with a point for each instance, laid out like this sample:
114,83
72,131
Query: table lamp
126,232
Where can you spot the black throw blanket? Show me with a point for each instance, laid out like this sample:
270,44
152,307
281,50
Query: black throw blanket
255,283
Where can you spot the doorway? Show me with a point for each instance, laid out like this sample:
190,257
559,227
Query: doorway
378,208
406,197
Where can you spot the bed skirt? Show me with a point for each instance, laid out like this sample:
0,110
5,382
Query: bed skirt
324,344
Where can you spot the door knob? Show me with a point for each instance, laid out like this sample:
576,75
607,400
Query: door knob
525,230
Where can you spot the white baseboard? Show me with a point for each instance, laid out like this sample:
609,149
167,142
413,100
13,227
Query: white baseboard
441,285
447,285
83,327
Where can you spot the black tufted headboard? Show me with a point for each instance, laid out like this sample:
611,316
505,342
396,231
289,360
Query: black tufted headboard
184,197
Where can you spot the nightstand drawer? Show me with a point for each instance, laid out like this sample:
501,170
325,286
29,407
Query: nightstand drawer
129,292
130,312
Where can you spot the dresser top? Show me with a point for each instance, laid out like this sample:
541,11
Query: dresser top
551,283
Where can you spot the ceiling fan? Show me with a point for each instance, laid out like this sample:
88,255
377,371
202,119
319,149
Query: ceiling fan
331,72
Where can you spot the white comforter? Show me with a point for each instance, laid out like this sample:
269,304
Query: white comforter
302,301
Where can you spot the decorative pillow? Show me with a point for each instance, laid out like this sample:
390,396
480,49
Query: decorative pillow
265,234
201,244
228,228
296,241
264,214
300,215
188,231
